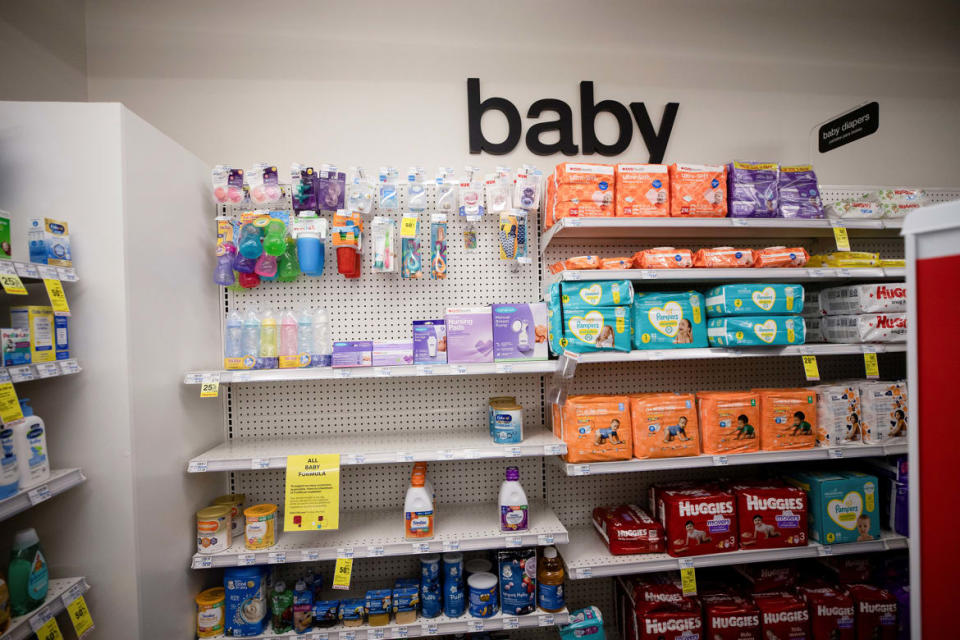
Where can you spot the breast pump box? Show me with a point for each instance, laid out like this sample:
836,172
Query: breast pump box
519,332
429,342
38,322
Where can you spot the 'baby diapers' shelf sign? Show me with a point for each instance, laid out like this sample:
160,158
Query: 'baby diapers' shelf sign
849,127
312,493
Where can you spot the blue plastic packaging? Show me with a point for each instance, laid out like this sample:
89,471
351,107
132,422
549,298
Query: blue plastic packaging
246,609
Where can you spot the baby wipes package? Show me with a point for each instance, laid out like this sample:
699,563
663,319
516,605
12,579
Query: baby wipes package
838,415
591,295
883,410
729,421
723,258
642,190
664,425
663,258
843,505
752,189
774,257
745,299
596,428
755,331
866,327
799,192
788,419
669,320
884,297
698,190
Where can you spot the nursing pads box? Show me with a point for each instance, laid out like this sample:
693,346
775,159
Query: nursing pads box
729,421
642,190
788,419
469,335
755,331
669,320
596,428
698,190
838,415
866,327
590,295
752,189
843,505
885,297
664,425
429,342
519,332
754,299
883,410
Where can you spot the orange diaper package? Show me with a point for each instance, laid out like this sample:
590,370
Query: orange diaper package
583,173
642,190
616,263
551,201
781,257
729,421
788,418
575,264
698,190
582,210
595,428
584,193
723,258
663,258
664,425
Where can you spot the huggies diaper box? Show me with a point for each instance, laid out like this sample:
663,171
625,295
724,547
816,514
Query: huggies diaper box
596,428
876,612
754,299
669,321
771,515
429,342
756,331
469,335
628,529
519,332
831,612
698,521
731,619
843,505
782,617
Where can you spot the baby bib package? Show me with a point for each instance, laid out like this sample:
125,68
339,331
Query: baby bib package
884,410
752,189
756,331
843,505
838,415
664,425
669,320
743,299
595,428
788,419
729,421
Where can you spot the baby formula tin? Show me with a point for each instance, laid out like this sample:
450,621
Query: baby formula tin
213,529
261,531
210,613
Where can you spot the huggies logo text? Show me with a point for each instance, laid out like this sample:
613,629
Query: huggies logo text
689,509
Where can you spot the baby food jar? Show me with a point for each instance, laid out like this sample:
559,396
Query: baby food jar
213,529
210,613
261,531
235,502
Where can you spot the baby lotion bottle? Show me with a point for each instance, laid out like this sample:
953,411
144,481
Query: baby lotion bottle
550,581
30,447
233,336
322,344
288,334
513,503
418,521
250,339
9,471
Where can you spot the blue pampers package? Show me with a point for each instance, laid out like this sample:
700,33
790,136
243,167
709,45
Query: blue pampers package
584,624
844,506
518,581
754,299
600,329
669,320
245,605
756,331
591,295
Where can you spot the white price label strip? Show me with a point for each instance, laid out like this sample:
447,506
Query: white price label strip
310,555
376,551
197,466
47,369
39,494
25,270
511,622
451,545
202,562
69,366
246,559
276,557
430,628
22,373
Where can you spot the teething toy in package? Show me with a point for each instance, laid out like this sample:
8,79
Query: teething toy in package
884,297
843,505
839,416
866,327
669,320
722,258
752,189
755,331
698,190
884,410
799,193
663,258
642,190
664,425
788,419
596,428
753,299
728,421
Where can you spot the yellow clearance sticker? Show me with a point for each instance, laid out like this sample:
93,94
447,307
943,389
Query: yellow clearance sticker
871,365
843,240
210,389
9,404
688,580
312,499
80,616
49,631
58,299
342,572
408,227
12,284
810,368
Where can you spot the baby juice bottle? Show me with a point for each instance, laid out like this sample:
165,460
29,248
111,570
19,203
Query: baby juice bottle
513,503
550,581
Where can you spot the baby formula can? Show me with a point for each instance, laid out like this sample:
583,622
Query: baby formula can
261,531
213,529
491,409
210,613
507,423
237,522
483,595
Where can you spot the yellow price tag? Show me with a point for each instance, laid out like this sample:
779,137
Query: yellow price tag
80,616
9,403
871,365
810,368
341,573
49,631
12,284
408,227
58,299
843,240
688,579
210,389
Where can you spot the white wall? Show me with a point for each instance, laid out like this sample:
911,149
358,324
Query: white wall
384,82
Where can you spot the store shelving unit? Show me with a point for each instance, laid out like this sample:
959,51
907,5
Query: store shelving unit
60,593
735,275
60,480
646,355
34,271
375,533
733,459
254,453
28,372
587,555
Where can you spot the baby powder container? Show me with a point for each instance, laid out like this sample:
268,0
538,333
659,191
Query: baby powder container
477,565
483,595
30,447
261,531
237,523
513,503
213,529
418,510
9,470
210,613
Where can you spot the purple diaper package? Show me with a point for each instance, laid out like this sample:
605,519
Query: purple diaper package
752,189
429,342
520,332
391,354
352,354
469,335
799,193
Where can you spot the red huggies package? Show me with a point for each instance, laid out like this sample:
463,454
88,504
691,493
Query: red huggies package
831,613
628,529
735,619
876,612
669,624
771,515
698,521
764,578
783,617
